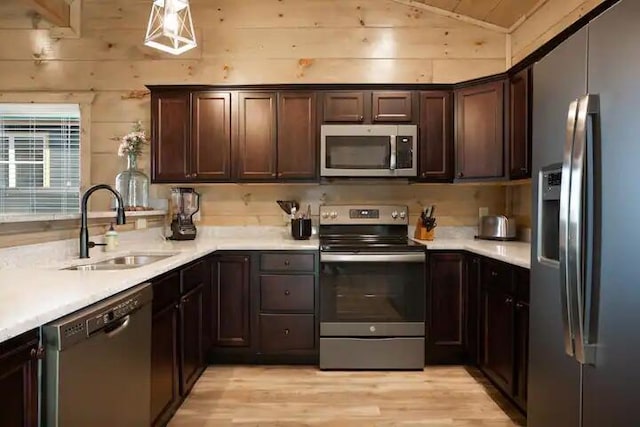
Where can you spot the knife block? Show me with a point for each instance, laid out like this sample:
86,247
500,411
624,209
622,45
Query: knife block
421,232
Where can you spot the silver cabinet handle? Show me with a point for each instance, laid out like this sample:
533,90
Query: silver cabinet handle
393,159
565,193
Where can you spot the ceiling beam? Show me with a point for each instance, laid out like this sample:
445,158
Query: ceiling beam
57,12
454,15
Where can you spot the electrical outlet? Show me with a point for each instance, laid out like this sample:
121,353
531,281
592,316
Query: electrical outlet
141,223
484,211
196,217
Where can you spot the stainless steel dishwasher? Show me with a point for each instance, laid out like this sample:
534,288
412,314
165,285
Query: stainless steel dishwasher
97,366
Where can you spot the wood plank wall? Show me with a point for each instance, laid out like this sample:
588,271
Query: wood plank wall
519,204
229,204
547,22
240,41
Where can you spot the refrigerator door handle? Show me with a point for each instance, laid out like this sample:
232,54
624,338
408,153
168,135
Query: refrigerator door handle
565,193
580,232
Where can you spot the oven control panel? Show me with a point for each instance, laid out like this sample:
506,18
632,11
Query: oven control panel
379,215
364,213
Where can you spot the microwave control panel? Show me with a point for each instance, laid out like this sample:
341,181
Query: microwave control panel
404,152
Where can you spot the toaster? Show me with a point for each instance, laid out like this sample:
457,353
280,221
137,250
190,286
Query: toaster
497,227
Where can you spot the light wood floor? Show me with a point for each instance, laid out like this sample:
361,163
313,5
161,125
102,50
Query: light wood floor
304,396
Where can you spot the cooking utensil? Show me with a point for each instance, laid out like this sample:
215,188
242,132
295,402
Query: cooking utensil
286,205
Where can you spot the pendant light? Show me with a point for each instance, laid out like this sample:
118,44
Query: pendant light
170,27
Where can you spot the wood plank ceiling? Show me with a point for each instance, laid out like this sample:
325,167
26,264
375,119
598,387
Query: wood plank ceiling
503,13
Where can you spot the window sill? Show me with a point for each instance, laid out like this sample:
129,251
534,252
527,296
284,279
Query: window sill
15,218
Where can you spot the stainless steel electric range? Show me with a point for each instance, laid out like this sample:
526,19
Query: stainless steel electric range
372,289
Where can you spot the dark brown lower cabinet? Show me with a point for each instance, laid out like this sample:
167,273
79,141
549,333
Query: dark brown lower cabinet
522,353
192,357
504,333
19,381
445,322
177,337
231,282
472,336
266,304
498,337
287,333
165,393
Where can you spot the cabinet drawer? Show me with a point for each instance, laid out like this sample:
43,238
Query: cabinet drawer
287,262
193,276
287,293
287,332
497,275
166,291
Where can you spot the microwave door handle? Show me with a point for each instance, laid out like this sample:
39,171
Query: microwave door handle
565,195
393,160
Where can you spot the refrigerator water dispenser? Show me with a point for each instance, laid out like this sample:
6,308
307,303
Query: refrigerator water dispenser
549,214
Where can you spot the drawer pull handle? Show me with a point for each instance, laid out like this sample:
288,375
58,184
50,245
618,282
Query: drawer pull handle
33,353
286,331
508,301
287,263
519,305
287,293
494,274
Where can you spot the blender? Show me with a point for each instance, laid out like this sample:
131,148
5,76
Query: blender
185,202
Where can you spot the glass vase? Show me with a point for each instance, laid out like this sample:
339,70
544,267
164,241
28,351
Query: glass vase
133,186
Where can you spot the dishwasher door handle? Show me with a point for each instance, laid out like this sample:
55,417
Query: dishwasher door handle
121,326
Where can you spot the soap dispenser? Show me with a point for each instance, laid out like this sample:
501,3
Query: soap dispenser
111,239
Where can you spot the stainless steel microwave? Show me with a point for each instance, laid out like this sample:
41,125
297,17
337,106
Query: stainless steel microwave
369,151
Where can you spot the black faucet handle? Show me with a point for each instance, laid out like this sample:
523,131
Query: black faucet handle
94,244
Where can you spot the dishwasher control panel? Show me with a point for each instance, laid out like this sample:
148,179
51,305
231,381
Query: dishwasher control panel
105,316
113,314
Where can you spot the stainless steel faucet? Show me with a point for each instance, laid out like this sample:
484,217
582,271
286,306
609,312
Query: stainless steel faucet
85,244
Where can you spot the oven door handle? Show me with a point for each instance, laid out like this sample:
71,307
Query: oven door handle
414,257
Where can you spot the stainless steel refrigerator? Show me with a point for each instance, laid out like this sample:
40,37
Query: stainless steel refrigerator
584,367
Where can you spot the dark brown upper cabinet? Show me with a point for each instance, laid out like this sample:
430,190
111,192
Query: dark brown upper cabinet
369,107
392,106
436,136
446,294
211,136
520,125
344,107
255,150
479,139
297,135
170,152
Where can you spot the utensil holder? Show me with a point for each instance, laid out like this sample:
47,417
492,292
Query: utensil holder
301,228
421,233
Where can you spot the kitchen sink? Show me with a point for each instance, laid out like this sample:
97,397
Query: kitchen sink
124,262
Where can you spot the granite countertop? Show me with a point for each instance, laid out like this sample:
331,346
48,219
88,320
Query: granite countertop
516,253
31,296
34,290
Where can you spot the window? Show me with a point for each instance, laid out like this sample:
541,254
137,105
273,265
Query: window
39,158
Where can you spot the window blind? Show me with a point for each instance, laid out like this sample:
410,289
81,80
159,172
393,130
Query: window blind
39,158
